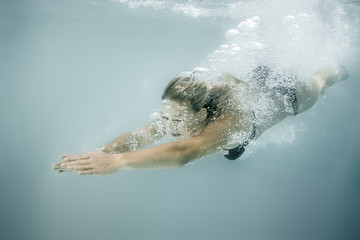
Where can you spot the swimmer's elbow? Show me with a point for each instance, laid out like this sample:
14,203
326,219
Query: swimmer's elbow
187,153
185,159
180,155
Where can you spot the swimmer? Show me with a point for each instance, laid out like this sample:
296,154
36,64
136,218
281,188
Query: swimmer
203,119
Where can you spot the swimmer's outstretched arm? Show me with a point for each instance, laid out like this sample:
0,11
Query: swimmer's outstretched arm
127,142
169,155
135,140
177,154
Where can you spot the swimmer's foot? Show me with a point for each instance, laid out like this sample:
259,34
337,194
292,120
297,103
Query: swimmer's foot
327,78
342,73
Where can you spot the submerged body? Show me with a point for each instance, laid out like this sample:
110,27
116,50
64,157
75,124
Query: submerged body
284,96
203,119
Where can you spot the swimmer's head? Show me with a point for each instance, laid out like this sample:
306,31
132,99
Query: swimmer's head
188,90
195,100
180,120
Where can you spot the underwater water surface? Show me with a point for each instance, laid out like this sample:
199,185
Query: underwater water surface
76,74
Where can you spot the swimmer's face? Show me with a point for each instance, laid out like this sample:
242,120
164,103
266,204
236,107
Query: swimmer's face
180,121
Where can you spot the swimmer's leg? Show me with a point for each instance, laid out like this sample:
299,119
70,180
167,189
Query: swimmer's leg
327,78
308,94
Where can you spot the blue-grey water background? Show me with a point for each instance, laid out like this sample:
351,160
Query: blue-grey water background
76,74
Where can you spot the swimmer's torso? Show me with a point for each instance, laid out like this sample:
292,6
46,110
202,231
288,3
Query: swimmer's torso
264,106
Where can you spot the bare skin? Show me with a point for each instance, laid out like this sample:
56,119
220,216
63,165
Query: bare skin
194,139
169,155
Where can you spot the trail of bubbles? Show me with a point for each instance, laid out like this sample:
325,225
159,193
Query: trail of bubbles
295,41
298,37
303,35
189,8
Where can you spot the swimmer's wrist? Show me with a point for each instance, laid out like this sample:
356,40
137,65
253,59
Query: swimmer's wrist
121,161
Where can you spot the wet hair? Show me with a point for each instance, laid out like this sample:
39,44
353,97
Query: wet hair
215,98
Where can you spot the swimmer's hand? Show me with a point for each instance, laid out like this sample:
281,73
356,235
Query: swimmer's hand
91,163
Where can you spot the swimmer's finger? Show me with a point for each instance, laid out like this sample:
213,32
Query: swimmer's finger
87,172
63,170
69,155
76,157
80,168
76,163
57,166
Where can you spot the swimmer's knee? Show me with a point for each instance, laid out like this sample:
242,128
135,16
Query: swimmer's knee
317,83
325,79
